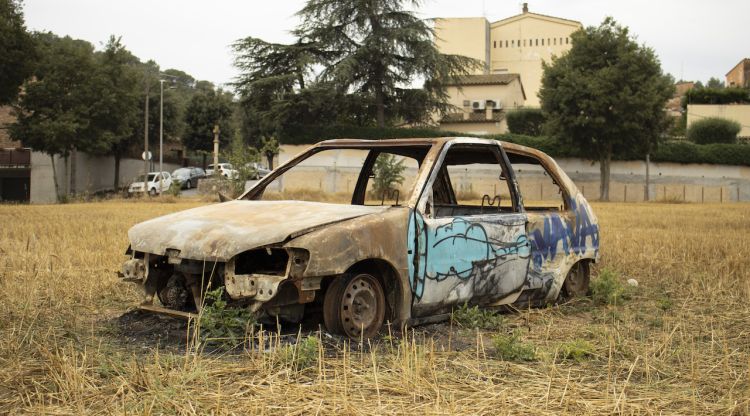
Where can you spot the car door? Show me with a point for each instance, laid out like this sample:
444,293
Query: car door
468,239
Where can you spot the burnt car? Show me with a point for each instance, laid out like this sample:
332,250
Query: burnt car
365,232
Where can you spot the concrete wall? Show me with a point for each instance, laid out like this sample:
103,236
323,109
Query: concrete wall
92,174
669,181
737,112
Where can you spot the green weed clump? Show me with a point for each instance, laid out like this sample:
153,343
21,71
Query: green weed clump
576,350
302,355
511,348
609,289
476,318
222,326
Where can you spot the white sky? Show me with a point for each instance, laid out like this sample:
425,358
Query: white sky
695,39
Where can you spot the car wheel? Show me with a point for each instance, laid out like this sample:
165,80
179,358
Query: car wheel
576,284
152,192
188,184
354,306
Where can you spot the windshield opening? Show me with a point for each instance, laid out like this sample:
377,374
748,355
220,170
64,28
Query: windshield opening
358,176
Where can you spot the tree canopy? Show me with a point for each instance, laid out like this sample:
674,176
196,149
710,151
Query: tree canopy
206,109
17,50
606,95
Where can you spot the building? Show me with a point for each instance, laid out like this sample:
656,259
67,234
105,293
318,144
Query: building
739,76
515,45
674,104
482,102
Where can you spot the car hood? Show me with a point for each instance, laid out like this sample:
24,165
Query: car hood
219,231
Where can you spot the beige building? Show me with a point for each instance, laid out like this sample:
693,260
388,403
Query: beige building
739,76
482,102
516,45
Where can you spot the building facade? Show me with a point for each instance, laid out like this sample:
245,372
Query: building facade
739,76
516,45
482,102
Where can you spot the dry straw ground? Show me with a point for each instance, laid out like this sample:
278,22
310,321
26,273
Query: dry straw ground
679,345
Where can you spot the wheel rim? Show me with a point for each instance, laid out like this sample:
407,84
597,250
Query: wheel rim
189,185
362,307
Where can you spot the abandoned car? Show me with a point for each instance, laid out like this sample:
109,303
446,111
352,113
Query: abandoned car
363,232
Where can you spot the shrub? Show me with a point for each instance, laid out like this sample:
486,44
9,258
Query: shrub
527,121
222,326
473,317
511,348
608,289
713,130
716,96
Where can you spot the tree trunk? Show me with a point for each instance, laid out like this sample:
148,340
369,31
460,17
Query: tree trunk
73,168
380,106
646,195
269,157
117,171
66,182
604,162
203,155
54,178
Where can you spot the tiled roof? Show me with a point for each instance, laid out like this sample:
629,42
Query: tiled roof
488,79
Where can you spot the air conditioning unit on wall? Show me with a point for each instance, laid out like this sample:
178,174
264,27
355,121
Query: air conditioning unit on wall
496,104
477,105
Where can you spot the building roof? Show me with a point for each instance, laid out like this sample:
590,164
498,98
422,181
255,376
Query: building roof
537,15
486,79
745,62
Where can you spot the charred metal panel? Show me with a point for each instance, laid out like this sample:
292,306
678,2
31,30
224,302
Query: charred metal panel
218,232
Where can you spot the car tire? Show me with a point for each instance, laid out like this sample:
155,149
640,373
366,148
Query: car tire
354,306
188,184
577,281
152,192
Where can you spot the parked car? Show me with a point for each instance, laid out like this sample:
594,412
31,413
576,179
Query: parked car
225,169
259,170
155,183
459,229
188,177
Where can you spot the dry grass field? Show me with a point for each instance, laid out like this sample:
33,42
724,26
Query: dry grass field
679,343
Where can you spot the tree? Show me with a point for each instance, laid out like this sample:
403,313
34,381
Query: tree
388,172
54,111
528,121
17,50
715,83
242,157
269,149
606,96
373,47
206,109
116,113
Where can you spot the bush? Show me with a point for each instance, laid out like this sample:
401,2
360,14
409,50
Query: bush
608,289
473,317
302,355
527,121
511,348
713,130
716,96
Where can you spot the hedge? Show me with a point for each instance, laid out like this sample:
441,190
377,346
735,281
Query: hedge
528,121
713,130
677,152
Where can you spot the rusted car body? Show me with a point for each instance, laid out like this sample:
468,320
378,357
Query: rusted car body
361,264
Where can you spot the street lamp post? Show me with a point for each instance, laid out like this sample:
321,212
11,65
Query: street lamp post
216,148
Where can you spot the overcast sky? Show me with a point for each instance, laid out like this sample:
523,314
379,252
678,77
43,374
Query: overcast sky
695,39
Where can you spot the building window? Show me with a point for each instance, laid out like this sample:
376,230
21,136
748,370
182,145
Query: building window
542,41
524,42
513,43
548,42
536,43
494,44
555,39
506,43
567,40
560,41
519,43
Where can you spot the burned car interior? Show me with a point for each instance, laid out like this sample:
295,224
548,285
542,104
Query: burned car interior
466,221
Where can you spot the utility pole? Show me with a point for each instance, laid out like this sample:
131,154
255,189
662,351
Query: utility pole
648,180
216,148
145,137
161,134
